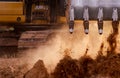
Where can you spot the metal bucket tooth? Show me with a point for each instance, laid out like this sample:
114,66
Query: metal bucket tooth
71,20
71,26
100,27
100,21
86,27
86,20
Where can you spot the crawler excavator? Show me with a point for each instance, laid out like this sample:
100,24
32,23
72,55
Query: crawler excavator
26,23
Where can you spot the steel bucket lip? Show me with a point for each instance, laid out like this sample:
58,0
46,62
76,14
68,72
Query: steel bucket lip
95,3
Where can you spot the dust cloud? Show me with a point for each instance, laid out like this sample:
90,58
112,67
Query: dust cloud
103,66
76,45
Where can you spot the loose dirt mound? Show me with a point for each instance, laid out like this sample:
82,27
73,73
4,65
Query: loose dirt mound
68,68
86,67
12,68
108,66
6,73
38,71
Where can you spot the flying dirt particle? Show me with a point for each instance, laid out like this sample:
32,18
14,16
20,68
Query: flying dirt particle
67,52
112,38
100,52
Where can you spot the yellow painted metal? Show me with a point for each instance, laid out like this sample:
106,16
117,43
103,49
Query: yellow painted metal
11,12
40,21
62,19
11,18
11,8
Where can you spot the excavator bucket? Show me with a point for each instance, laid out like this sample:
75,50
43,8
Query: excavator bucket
86,10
